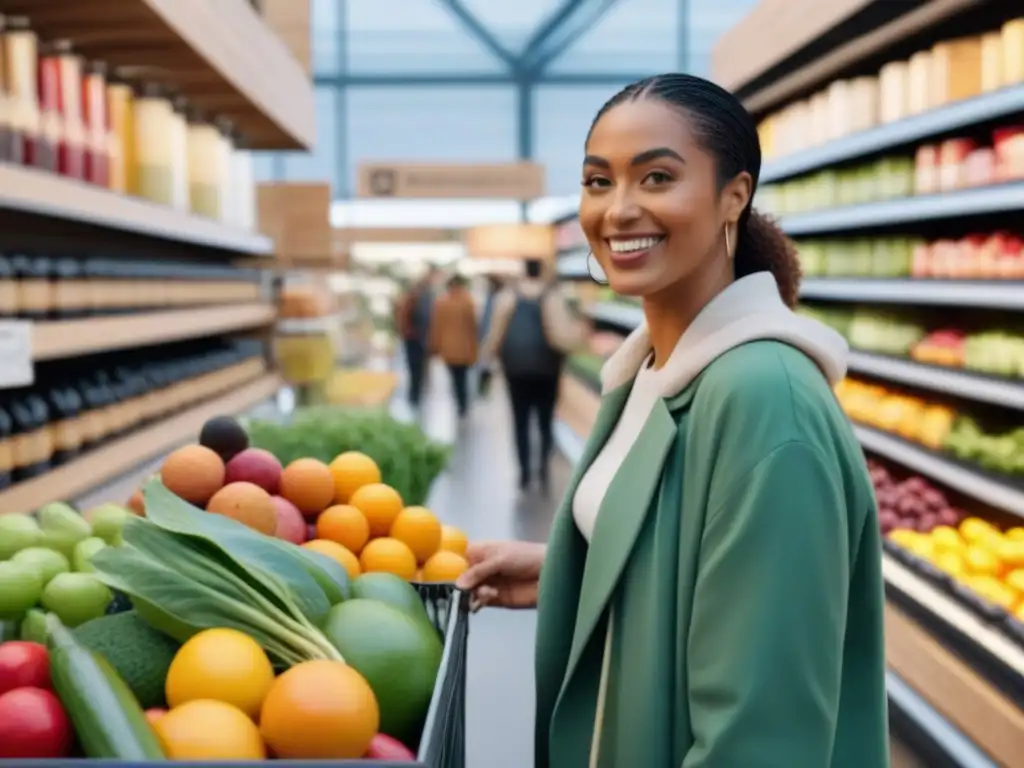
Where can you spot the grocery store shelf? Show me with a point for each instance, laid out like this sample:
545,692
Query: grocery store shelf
950,381
573,266
221,55
620,315
70,338
122,454
29,191
1008,102
970,482
995,294
1003,198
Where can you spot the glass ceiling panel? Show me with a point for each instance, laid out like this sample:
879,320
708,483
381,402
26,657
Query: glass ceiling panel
325,16
423,36
512,22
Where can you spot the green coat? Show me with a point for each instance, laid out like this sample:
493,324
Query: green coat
738,553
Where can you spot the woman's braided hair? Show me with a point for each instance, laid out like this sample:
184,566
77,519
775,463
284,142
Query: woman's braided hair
725,129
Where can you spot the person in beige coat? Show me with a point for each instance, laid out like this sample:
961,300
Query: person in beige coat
531,332
454,337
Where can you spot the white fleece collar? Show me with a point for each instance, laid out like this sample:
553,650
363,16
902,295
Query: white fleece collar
750,309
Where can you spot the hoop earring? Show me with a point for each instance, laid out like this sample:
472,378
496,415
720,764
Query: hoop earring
728,244
590,270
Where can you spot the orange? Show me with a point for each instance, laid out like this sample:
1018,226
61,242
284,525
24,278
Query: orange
389,556
209,730
381,504
309,485
223,665
419,529
320,710
351,471
193,473
454,540
247,503
338,553
981,561
344,524
444,566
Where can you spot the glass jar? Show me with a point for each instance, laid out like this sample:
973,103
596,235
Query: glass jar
60,94
243,187
21,51
121,105
154,145
5,107
97,124
70,289
225,130
35,286
203,167
179,155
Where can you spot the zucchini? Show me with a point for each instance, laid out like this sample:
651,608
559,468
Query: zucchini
107,718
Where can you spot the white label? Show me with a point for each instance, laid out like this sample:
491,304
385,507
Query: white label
16,354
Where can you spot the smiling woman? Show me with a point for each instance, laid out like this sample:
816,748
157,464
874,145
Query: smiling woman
711,594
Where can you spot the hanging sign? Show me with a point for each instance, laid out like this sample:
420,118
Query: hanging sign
510,241
512,181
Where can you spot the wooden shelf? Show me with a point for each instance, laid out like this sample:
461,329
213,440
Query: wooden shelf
69,202
221,55
70,338
120,456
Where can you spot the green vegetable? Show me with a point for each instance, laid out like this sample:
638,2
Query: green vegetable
108,720
8,630
409,459
184,583
138,653
33,627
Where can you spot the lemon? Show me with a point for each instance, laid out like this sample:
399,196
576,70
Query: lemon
222,665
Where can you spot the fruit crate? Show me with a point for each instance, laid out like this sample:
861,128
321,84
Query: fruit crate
443,740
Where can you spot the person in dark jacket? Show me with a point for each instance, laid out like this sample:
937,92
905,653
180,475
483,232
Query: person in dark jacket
413,315
531,331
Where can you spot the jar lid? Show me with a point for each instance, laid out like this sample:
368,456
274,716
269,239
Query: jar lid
18,24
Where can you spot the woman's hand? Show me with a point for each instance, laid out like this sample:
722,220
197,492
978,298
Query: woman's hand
503,574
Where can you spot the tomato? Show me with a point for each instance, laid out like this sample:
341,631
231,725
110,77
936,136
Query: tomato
33,725
23,665
384,747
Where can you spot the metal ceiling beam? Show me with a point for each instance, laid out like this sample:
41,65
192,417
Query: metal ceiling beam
565,37
414,80
479,31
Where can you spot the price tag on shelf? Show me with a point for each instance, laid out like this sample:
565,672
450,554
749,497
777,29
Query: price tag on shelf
16,354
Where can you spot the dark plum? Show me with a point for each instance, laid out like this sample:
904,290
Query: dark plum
224,436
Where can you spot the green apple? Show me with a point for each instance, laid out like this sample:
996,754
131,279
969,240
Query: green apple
84,550
76,598
48,562
33,627
107,520
21,586
58,516
17,532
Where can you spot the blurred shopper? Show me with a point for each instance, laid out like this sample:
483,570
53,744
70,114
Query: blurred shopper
412,318
453,337
494,287
711,594
531,331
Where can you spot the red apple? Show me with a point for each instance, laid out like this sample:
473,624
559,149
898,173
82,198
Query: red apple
291,525
256,466
384,747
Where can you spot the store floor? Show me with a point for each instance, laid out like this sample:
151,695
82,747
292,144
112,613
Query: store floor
479,494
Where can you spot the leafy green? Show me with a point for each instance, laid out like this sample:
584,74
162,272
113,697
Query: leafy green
408,459
314,582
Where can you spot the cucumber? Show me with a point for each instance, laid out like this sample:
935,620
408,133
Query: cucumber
106,716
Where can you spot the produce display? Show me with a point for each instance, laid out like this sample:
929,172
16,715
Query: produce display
955,164
998,449
947,72
998,256
995,352
237,608
976,553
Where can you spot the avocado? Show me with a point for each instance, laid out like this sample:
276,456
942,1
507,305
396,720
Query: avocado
224,436
398,655
140,654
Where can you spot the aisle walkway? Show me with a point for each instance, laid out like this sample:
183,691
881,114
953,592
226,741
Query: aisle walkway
479,494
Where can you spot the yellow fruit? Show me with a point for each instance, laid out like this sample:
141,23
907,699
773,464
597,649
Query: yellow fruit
1010,551
1015,580
209,730
950,562
351,471
975,530
388,556
1018,612
344,524
320,710
309,485
903,536
922,546
338,553
380,503
444,566
947,539
993,590
454,540
223,665
419,529
982,561
1015,534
